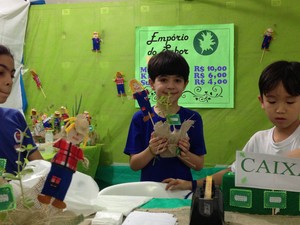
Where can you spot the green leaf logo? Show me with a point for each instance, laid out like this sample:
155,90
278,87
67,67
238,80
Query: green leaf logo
206,42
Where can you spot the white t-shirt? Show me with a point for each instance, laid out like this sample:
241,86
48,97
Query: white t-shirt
262,142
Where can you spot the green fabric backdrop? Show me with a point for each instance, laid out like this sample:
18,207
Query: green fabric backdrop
58,46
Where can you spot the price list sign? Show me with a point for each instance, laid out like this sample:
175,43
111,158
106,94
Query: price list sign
209,51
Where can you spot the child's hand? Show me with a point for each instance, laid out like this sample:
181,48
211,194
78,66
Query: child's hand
184,145
158,145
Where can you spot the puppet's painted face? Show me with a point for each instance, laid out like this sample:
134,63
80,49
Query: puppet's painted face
74,137
137,87
269,32
95,35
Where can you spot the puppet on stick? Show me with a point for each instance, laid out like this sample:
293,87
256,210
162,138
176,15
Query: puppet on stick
96,40
268,36
37,81
141,95
64,163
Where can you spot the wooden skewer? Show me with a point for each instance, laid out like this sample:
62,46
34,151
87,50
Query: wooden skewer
208,188
262,55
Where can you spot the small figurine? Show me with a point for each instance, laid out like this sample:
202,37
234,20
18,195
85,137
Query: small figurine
120,84
47,121
57,121
268,36
36,79
267,39
96,42
64,163
34,117
141,95
64,113
88,116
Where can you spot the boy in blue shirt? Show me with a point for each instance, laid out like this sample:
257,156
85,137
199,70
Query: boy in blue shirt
168,77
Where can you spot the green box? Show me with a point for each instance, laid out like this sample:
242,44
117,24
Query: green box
257,201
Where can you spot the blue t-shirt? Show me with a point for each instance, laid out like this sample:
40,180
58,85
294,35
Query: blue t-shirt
12,125
160,168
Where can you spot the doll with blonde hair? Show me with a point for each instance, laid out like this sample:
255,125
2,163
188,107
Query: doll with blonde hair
64,163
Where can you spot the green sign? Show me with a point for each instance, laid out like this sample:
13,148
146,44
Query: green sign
7,200
265,171
209,51
275,199
173,119
241,198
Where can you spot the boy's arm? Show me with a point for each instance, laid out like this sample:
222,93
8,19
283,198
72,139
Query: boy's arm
156,146
178,184
35,155
140,160
190,159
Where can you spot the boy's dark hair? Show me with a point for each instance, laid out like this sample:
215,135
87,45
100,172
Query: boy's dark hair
281,71
5,51
168,63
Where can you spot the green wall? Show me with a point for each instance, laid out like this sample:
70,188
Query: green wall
58,46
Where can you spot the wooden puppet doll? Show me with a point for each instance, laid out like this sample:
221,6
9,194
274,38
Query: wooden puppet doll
96,42
64,163
141,95
119,80
267,39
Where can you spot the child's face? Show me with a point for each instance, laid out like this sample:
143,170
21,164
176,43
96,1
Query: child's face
7,71
282,109
172,85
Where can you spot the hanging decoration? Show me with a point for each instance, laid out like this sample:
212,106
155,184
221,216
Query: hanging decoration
268,36
37,81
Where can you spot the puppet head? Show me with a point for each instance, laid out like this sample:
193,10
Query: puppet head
77,129
63,110
135,86
119,75
269,32
95,34
33,112
57,114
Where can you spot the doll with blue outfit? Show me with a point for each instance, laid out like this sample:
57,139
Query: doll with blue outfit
64,163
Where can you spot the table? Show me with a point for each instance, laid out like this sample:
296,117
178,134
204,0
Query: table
92,153
181,210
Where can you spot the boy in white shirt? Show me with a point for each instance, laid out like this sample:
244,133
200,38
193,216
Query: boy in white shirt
279,86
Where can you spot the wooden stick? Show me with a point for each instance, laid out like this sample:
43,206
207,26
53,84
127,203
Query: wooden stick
261,58
208,188
150,118
43,92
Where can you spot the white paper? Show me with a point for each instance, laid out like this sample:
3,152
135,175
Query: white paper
149,218
120,203
107,218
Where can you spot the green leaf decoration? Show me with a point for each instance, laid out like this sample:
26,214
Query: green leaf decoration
10,176
26,171
244,180
242,154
